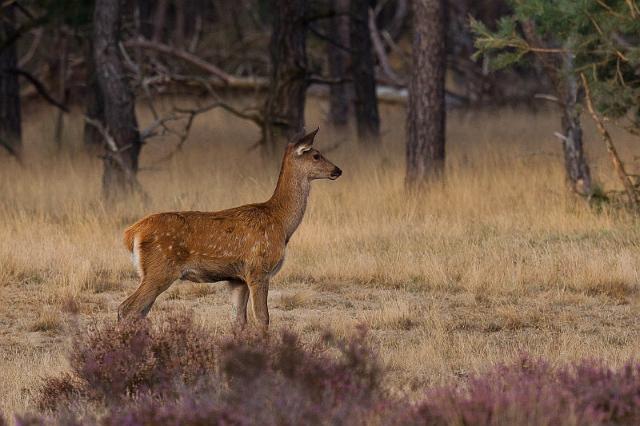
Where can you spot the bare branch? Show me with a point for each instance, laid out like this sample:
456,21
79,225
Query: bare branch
547,97
42,91
618,166
328,39
380,52
197,33
316,79
32,49
116,154
6,145
128,61
227,79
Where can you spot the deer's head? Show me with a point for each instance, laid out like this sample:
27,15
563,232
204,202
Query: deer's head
305,160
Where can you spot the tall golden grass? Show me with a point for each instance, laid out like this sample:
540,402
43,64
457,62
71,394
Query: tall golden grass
495,261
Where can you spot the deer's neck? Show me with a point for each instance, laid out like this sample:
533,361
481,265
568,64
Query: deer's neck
289,200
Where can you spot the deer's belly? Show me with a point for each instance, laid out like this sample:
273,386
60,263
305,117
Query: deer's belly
204,274
277,268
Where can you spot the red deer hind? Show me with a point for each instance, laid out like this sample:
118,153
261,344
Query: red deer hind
244,245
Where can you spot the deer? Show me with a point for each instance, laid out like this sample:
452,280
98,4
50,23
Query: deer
244,246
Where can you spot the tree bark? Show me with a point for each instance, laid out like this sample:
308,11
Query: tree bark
561,72
575,163
63,92
363,71
10,115
338,59
426,114
94,108
120,165
179,26
145,18
284,107
159,20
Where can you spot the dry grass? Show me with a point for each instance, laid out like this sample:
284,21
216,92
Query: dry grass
47,321
496,261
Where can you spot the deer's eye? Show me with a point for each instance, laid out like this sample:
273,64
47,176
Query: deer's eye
316,157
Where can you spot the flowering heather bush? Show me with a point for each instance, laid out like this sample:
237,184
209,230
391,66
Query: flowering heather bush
183,374
138,374
530,392
126,359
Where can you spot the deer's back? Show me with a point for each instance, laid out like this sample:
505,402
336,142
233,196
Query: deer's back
241,240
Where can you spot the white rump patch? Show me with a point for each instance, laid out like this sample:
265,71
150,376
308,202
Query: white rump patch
135,255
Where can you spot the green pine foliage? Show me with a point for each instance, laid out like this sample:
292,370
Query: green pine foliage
603,36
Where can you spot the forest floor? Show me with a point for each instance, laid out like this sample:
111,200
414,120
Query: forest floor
497,261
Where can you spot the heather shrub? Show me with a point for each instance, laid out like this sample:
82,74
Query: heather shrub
289,383
180,373
125,359
56,390
187,411
531,392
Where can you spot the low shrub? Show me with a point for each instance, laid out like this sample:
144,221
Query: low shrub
180,373
531,392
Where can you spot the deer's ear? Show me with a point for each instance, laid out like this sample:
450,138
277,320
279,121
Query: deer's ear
301,149
304,142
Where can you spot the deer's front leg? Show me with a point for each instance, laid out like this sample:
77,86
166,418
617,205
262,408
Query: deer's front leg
258,292
239,299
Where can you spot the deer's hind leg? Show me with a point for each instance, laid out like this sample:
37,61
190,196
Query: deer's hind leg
140,302
156,275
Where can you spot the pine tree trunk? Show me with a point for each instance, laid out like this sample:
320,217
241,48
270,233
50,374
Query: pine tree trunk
159,20
426,113
575,163
284,107
63,92
10,115
145,18
338,59
120,121
363,71
94,108
561,72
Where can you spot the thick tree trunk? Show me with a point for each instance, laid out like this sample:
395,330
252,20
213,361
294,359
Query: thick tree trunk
94,108
284,107
121,165
426,108
10,116
575,163
63,92
338,59
363,71
159,20
179,25
145,18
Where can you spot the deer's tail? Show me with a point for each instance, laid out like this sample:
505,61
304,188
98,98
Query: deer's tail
129,235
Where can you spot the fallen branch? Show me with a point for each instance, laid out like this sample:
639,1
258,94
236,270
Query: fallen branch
618,166
547,97
226,79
